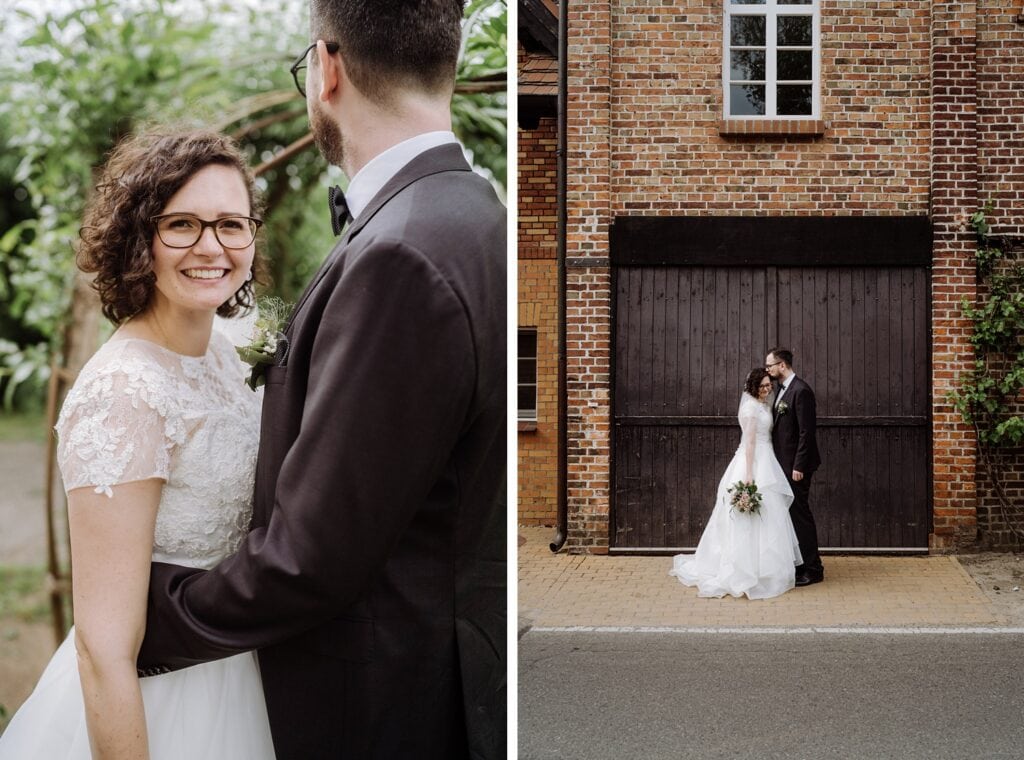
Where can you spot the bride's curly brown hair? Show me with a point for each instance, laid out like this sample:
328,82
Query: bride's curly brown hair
752,385
141,175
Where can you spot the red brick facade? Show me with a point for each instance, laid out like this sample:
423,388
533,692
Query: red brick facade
1000,85
538,308
920,114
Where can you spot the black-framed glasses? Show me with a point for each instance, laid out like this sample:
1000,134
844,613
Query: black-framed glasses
298,68
184,230
769,366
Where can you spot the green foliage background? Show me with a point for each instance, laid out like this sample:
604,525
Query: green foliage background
80,74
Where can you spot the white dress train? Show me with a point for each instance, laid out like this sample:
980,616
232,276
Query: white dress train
747,554
139,411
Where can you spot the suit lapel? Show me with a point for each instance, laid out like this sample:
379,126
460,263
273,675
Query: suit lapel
443,158
780,399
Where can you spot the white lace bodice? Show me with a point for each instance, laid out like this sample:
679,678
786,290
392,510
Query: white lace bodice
140,411
755,420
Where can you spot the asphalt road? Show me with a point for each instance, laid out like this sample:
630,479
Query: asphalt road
795,696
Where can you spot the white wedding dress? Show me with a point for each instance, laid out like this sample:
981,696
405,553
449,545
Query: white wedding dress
139,411
751,554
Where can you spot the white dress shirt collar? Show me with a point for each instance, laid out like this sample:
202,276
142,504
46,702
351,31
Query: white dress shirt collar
382,167
784,385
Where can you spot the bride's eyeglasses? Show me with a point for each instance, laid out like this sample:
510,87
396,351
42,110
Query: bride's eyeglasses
184,230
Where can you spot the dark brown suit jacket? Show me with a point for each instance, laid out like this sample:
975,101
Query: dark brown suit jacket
794,434
373,579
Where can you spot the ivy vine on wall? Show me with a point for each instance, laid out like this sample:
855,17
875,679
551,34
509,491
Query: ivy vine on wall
990,396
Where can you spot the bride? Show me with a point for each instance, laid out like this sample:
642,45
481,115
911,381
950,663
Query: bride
157,449
743,553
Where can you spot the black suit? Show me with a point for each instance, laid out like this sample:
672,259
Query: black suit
373,579
796,448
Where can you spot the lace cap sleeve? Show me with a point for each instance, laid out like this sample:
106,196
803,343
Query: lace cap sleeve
116,426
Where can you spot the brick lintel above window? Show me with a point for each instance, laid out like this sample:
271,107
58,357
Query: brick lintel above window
753,127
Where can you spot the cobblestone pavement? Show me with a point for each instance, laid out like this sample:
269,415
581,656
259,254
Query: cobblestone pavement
562,590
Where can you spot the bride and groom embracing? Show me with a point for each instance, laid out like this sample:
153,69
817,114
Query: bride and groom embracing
766,551
325,578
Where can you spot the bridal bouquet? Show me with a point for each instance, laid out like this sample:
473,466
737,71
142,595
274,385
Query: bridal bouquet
745,498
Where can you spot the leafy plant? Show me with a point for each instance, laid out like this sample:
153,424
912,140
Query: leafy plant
990,397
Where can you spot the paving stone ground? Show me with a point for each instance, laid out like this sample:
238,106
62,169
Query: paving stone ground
558,590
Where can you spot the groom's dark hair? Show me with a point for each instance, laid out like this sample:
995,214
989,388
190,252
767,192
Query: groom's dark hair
389,44
783,354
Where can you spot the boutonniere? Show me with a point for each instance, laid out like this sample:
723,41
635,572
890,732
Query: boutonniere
782,408
269,345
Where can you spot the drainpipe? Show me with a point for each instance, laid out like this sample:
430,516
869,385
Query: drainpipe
562,529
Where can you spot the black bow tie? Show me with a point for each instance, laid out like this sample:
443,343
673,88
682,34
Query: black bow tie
339,209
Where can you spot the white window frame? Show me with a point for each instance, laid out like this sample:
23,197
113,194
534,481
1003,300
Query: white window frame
527,415
771,10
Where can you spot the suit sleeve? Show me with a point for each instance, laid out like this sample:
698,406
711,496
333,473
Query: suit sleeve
391,378
807,421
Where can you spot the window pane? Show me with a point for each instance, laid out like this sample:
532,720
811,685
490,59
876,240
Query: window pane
793,65
794,2
793,100
747,65
794,30
528,343
527,370
748,2
746,99
748,31
527,402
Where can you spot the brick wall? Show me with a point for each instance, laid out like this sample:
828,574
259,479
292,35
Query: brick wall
588,274
1000,58
922,106
954,197
666,105
538,308
645,138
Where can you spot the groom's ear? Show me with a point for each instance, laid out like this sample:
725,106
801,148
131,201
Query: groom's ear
331,72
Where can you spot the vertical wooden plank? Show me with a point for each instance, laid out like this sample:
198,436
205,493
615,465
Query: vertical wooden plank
847,358
828,402
784,303
622,312
758,317
707,377
670,401
682,330
870,361
720,343
666,533
642,534
657,359
635,347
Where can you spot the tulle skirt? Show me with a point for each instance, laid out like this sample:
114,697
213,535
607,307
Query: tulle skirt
213,711
746,554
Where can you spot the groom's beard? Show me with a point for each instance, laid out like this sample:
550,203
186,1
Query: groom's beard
327,136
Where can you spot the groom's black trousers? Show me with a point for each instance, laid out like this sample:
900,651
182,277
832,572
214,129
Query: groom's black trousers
803,524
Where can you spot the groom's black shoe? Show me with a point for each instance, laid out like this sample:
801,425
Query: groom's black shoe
806,577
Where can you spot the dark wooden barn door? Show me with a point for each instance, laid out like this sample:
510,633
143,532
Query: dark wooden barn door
685,338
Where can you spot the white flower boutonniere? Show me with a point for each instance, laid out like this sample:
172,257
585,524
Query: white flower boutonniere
269,345
782,408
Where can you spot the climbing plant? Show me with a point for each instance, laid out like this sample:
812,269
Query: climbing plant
990,397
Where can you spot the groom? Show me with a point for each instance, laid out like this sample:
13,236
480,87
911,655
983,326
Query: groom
796,448
373,579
